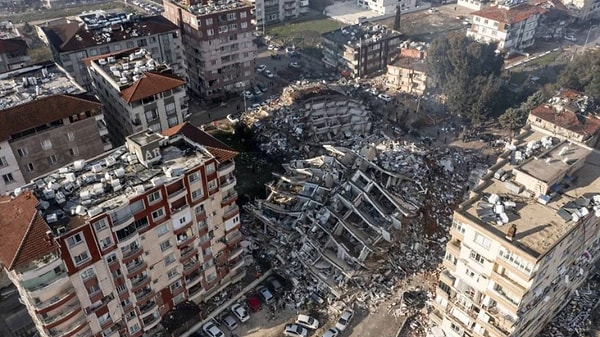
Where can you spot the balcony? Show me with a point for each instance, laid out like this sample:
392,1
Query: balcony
192,280
508,283
235,253
70,330
143,295
226,168
185,239
105,323
132,253
190,267
453,247
150,322
55,319
201,216
55,301
46,283
234,239
231,212
139,283
39,267
238,265
135,268
183,228
187,253
229,198
227,183
146,308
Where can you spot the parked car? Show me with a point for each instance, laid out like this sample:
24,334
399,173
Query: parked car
257,91
433,10
232,119
570,38
372,91
295,54
331,332
295,65
307,322
261,68
240,312
295,330
229,322
253,303
212,330
265,295
248,94
268,73
274,284
262,87
273,47
344,319
384,97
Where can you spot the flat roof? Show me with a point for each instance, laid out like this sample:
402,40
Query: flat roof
365,33
204,8
539,226
558,159
8,30
410,63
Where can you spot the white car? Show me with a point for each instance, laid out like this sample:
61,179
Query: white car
264,293
212,330
240,312
307,322
261,68
229,322
344,319
248,94
570,38
372,91
384,97
268,73
295,330
232,119
272,47
331,332
295,65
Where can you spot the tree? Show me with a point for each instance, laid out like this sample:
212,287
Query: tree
583,74
512,119
468,73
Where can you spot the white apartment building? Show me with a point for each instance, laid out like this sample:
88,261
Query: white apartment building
138,93
523,242
387,7
511,27
267,12
111,256
100,33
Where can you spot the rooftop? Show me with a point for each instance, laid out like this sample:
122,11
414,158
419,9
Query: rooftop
365,33
511,15
14,46
33,82
498,204
211,6
8,30
410,63
73,194
554,161
100,28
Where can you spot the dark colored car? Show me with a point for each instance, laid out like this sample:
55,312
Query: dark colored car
253,303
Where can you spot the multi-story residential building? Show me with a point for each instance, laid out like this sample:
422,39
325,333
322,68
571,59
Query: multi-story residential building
108,246
13,49
46,121
568,115
218,42
473,4
360,50
512,27
408,72
523,242
138,93
388,7
101,33
582,10
268,12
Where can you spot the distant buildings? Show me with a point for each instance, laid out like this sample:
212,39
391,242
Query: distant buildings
13,49
138,93
360,50
388,7
583,9
511,27
107,247
104,33
218,41
568,115
45,122
267,12
408,72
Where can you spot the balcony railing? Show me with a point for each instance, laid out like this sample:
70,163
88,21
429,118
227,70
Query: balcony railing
56,279
136,267
188,252
231,212
68,310
69,329
144,295
132,251
147,307
139,282
235,253
230,197
56,299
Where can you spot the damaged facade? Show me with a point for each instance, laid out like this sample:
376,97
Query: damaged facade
408,73
108,246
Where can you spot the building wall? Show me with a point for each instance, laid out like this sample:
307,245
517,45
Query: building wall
406,79
9,61
471,4
9,169
67,143
557,130
518,35
387,7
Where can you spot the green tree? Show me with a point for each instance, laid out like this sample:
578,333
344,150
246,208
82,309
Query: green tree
512,119
583,74
468,73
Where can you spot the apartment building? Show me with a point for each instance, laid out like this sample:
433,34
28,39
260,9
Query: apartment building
13,49
218,42
268,12
100,33
138,93
408,73
46,121
583,10
523,242
388,7
108,246
512,27
568,115
360,50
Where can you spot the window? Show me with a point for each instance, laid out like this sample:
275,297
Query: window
134,328
111,258
210,32
194,176
86,274
70,136
482,241
170,108
182,221
74,240
212,184
30,167
129,316
81,258
154,197
93,289
162,230
243,15
22,152
137,207
175,286
209,21
159,213
231,16
210,168
8,178
244,25
129,44
46,144
3,162
477,257
172,121
200,209
172,273
165,245
121,288
211,277
101,225
197,194
169,259
74,151
105,243
52,160
143,222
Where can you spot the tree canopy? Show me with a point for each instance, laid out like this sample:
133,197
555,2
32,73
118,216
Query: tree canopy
583,74
467,72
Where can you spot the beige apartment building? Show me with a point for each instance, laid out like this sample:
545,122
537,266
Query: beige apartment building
408,73
268,12
138,93
98,33
523,242
218,42
46,121
108,246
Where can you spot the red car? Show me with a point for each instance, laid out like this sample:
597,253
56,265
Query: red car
253,303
